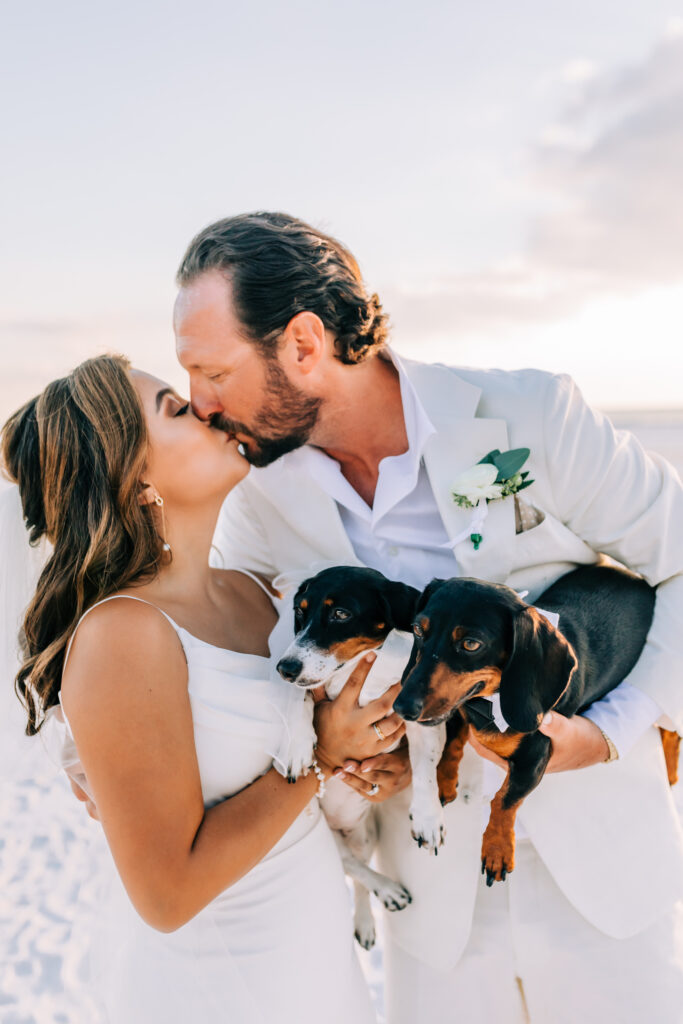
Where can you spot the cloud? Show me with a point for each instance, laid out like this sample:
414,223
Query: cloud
609,169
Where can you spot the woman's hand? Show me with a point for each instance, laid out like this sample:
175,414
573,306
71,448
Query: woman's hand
346,731
377,778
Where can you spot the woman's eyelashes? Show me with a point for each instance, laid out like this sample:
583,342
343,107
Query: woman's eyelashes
182,410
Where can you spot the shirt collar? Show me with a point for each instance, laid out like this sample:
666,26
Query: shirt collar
397,473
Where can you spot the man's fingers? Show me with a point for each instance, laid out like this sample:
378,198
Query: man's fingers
79,793
91,808
350,692
554,725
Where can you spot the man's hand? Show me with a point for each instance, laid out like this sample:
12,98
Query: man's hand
390,772
81,795
576,743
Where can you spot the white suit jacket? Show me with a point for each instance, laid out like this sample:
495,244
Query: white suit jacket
609,834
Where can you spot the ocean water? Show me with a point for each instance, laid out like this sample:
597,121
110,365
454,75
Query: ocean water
49,851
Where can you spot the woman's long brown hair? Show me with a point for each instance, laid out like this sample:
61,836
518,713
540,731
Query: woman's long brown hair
78,453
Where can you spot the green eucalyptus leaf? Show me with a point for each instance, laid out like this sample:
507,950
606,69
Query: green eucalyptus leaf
509,463
490,458
527,483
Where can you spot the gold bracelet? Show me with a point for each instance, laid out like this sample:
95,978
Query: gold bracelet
613,754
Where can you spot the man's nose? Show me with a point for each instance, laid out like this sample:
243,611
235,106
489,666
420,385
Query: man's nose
204,406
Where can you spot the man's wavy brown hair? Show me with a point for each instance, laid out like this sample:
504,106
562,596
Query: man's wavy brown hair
77,453
279,266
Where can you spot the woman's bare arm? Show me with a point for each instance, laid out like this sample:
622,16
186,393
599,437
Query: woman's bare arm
125,694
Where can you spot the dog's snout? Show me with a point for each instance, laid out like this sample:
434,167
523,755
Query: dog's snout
290,668
408,705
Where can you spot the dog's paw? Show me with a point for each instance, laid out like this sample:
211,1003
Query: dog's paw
296,759
427,828
365,934
392,895
497,856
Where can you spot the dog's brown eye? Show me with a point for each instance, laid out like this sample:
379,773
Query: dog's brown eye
340,614
471,645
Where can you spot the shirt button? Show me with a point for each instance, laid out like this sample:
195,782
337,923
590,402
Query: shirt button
466,795
393,551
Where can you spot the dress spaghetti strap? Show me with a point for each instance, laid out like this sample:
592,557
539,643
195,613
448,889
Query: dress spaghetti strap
113,597
259,582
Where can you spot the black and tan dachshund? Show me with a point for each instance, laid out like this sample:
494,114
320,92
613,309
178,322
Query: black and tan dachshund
475,639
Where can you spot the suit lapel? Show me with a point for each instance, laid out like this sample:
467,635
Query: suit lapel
309,511
461,440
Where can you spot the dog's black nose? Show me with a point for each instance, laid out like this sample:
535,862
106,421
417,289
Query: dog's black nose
290,668
408,705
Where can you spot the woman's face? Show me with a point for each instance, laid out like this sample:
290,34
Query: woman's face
188,462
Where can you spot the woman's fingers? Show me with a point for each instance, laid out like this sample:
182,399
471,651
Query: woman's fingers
370,790
390,725
383,706
348,696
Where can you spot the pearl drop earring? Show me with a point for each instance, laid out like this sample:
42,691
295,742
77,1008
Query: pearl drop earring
158,500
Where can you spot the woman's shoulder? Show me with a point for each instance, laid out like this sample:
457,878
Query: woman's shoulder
123,638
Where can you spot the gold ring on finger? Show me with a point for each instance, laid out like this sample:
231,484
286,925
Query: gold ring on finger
380,734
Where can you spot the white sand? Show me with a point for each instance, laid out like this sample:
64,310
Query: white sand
49,849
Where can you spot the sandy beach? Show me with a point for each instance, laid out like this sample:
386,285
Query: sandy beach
50,849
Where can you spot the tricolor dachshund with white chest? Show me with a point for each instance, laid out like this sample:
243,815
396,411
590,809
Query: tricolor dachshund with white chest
340,614
475,640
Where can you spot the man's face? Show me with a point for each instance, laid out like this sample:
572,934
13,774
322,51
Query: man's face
231,383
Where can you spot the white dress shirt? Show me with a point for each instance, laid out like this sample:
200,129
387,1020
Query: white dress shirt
402,535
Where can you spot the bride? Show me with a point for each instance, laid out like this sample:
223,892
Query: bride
231,904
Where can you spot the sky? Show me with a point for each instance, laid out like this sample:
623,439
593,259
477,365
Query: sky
508,175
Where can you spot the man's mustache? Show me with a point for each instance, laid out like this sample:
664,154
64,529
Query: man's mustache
229,426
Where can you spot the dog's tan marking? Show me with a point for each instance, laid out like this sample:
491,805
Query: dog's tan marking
328,602
502,743
303,604
671,742
449,765
348,649
447,688
498,844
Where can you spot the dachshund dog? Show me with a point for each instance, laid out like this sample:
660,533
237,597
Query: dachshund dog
340,614
479,642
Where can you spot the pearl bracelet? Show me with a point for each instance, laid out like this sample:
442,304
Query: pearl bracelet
320,776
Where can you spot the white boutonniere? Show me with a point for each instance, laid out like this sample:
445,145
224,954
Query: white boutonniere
495,476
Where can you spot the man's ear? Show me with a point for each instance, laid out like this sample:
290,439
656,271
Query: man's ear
303,344
428,593
401,600
537,673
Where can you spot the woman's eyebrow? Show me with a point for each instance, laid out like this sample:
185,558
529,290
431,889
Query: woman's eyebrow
160,395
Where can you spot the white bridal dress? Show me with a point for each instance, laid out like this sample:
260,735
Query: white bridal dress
276,947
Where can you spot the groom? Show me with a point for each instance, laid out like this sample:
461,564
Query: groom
355,451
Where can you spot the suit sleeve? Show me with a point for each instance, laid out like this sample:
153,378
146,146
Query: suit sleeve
627,503
240,541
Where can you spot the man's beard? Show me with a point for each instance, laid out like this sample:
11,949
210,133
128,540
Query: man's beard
284,422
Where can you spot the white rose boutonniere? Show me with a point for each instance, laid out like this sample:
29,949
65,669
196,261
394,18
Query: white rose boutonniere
495,476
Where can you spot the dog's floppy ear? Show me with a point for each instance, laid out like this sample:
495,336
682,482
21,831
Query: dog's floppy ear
428,593
401,600
301,590
537,672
